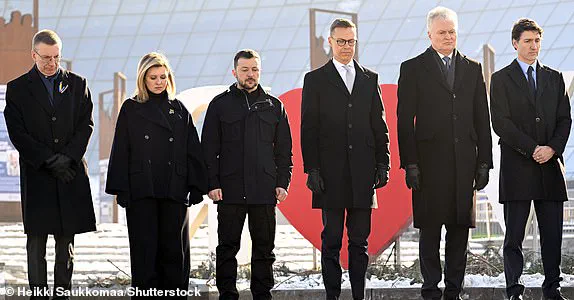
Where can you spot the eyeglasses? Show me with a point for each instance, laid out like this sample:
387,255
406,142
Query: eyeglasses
342,42
47,58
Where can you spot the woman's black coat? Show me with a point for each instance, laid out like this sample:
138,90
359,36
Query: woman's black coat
150,158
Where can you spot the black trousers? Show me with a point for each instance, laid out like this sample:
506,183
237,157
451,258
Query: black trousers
358,221
159,244
262,224
550,217
37,267
455,260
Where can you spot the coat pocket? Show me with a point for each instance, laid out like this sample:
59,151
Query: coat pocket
181,169
271,171
267,125
231,127
135,167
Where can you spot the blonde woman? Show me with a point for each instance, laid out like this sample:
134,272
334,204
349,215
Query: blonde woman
156,169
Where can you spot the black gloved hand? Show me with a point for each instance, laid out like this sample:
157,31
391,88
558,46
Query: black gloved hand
481,177
65,175
381,176
195,196
123,199
413,177
58,162
315,182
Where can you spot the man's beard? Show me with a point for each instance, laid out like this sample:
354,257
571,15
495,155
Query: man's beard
246,83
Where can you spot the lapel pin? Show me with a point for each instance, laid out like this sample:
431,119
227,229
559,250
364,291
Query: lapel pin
171,111
61,88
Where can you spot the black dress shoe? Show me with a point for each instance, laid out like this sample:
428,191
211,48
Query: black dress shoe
516,297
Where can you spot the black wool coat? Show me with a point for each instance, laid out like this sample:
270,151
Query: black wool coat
523,122
344,135
446,132
150,158
39,130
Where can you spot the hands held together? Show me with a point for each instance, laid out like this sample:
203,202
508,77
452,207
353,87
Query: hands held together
61,167
542,154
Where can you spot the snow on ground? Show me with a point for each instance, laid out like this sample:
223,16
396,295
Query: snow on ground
315,281
109,244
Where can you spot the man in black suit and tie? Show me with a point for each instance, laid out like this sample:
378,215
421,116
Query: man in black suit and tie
345,145
445,147
49,119
531,114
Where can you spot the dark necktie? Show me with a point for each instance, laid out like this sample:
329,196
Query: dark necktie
447,63
449,72
531,82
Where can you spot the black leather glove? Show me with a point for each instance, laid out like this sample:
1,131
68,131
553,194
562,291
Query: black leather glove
58,162
61,167
123,199
315,182
413,177
481,177
64,175
381,176
195,196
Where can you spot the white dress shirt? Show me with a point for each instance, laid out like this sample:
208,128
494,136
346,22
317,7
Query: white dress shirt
343,72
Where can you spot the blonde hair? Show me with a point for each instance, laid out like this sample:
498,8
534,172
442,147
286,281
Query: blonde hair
150,60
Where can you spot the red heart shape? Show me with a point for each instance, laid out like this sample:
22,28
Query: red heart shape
388,221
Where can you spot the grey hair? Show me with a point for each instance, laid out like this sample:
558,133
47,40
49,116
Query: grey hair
47,37
442,13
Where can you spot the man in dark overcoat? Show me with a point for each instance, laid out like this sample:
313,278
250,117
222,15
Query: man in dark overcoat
49,118
445,147
345,146
531,114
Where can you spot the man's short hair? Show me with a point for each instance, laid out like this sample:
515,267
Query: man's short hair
525,24
245,53
341,23
442,13
47,37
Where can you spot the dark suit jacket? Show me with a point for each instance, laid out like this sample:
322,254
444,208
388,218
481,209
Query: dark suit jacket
523,122
38,130
344,135
152,159
446,132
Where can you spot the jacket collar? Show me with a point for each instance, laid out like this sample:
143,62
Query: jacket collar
240,92
151,111
517,75
38,89
431,63
335,79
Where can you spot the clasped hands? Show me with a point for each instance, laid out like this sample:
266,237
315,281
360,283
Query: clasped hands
61,167
542,154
